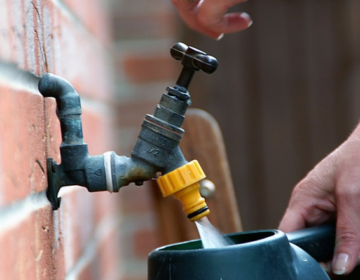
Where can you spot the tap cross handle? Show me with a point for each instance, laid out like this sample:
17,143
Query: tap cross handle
193,60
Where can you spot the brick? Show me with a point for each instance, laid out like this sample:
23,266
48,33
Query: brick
21,262
76,214
75,51
29,250
97,128
50,259
106,204
139,238
148,68
47,24
145,241
34,39
136,199
38,34
70,39
17,32
107,257
144,26
80,214
124,7
53,132
57,246
93,15
101,256
22,145
21,34
5,50
132,113
31,41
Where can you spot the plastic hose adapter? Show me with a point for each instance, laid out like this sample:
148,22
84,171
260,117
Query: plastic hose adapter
183,183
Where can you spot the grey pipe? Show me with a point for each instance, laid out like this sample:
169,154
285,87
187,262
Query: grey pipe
68,107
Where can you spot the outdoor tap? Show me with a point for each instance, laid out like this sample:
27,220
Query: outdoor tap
156,150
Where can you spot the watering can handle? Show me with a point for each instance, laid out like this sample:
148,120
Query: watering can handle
318,242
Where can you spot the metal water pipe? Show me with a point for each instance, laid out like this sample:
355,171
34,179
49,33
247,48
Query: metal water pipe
156,150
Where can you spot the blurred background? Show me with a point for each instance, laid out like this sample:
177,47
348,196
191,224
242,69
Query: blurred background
286,93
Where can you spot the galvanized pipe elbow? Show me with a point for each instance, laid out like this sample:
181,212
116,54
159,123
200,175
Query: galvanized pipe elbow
96,173
68,107
156,150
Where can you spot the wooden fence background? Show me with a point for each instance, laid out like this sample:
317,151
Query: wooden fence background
287,92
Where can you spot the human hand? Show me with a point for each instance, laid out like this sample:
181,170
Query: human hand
332,190
210,17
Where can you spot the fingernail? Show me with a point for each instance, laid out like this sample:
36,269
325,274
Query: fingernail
341,263
247,17
220,37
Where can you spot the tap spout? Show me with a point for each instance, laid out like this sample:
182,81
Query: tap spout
156,150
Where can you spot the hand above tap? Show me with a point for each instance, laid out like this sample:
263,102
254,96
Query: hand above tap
210,17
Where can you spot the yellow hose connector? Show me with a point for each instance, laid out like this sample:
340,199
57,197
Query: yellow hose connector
183,183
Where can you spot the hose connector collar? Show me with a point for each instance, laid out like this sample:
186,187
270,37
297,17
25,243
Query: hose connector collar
183,183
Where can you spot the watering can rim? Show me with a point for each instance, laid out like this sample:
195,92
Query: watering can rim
262,235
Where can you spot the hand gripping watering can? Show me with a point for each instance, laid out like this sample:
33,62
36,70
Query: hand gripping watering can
255,255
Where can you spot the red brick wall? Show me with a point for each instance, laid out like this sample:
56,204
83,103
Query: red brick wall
97,235
143,33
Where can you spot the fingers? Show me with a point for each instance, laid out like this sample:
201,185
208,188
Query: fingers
293,217
210,17
311,203
212,14
347,231
333,186
189,13
347,195
291,221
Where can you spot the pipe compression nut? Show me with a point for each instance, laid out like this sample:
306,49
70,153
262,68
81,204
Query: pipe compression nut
183,183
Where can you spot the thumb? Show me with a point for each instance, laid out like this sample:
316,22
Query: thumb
347,245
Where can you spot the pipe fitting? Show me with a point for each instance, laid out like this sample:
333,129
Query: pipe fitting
68,107
183,183
156,150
